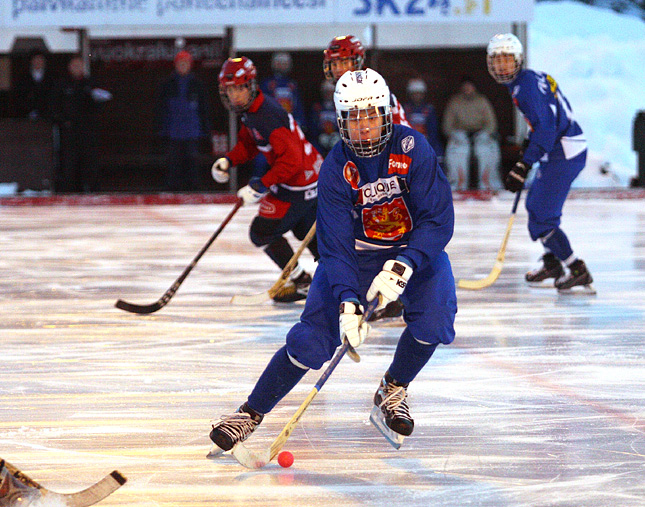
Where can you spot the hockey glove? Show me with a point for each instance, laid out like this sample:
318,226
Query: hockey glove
514,180
390,282
349,322
220,170
253,192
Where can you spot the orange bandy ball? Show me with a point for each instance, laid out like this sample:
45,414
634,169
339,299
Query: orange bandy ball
285,459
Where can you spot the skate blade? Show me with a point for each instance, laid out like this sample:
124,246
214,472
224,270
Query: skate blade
215,452
578,290
544,284
377,419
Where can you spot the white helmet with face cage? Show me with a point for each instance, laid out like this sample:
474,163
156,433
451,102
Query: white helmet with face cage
504,44
363,94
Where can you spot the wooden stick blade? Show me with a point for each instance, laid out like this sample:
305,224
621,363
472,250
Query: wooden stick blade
95,493
250,459
250,299
484,282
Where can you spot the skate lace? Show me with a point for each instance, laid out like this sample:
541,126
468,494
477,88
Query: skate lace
238,426
395,402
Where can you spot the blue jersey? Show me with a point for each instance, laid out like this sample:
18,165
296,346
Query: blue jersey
398,200
554,135
286,92
423,118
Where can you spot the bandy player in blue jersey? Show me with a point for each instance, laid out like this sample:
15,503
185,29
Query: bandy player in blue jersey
556,143
385,216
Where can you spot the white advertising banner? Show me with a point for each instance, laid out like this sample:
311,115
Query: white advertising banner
88,13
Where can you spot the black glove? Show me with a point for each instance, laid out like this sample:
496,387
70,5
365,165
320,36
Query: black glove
514,180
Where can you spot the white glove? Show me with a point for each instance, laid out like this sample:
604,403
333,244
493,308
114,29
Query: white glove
349,321
220,170
249,195
390,282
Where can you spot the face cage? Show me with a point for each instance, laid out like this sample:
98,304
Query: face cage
251,85
503,78
368,147
357,62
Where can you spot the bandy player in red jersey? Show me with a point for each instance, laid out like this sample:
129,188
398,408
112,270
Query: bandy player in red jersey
347,53
287,192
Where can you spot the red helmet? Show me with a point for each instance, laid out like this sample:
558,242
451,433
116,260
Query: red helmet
235,72
344,47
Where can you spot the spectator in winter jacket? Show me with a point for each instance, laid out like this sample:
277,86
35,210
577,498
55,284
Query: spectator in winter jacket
182,119
470,125
75,105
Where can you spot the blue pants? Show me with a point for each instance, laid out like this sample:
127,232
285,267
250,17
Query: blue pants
429,299
430,308
548,192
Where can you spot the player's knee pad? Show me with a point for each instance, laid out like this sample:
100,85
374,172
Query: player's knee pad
458,138
263,231
539,230
434,327
310,349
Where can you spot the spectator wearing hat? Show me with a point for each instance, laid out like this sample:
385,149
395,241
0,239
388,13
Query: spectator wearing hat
182,118
284,89
323,129
422,116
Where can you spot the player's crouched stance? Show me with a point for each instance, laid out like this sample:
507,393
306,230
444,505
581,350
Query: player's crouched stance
385,215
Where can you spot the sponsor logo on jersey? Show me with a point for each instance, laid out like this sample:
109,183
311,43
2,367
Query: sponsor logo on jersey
398,164
407,143
267,208
388,221
350,173
380,189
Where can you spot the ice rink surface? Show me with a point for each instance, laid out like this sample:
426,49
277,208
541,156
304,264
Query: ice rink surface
540,401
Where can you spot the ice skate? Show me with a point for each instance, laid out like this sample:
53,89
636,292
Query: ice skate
234,428
294,290
392,310
390,413
551,268
577,281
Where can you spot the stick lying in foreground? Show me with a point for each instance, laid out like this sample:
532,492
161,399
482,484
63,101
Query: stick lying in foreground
16,487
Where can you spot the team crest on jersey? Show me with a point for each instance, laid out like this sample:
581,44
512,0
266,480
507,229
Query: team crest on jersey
407,143
350,172
398,164
388,221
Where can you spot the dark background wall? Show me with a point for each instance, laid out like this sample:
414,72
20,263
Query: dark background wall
131,156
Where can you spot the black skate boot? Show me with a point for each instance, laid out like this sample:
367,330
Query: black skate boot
551,268
391,414
234,428
578,276
391,310
294,290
